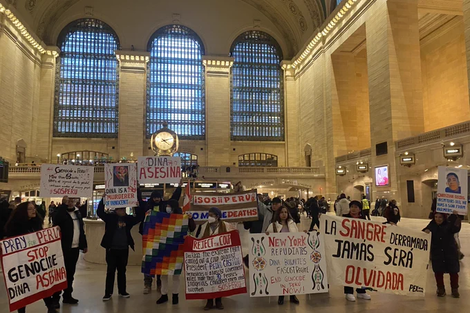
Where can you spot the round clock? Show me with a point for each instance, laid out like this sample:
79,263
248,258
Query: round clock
164,141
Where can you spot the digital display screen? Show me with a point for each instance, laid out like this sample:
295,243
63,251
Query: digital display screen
381,176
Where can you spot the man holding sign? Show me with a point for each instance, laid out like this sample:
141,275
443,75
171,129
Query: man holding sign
32,261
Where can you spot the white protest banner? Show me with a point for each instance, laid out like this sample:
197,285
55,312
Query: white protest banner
287,264
33,267
214,266
159,169
121,185
235,207
66,180
452,190
368,254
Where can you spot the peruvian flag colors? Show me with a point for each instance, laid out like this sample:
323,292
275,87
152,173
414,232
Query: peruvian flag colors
187,198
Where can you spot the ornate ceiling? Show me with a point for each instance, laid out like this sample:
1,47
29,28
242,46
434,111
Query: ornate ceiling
296,20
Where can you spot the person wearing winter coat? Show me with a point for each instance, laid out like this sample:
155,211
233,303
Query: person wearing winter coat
355,211
116,240
213,226
315,212
392,213
283,223
342,206
24,220
173,207
444,252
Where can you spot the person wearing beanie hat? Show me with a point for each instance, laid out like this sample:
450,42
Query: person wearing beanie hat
155,202
213,226
355,211
173,207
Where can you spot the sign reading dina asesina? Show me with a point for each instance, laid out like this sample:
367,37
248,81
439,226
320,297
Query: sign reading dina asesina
33,267
385,258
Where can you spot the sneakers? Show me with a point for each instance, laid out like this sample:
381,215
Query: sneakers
175,299
209,305
107,297
363,296
147,289
124,295
163,299
455,293
441,291
69,300
350,297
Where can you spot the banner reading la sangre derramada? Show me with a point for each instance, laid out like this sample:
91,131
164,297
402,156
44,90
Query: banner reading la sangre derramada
121,185
159,169
287,264
389,259
33,267
235,207
66,180
214,267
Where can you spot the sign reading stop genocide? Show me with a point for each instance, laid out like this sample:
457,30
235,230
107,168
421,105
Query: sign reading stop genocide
163,169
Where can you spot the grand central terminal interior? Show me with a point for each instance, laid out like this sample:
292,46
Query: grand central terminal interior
294,98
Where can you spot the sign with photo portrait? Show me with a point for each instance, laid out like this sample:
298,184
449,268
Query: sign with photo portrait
121,185
452,190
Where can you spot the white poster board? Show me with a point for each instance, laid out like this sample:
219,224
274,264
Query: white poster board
452,190
369,254
163,169
287,264
66,180
121,185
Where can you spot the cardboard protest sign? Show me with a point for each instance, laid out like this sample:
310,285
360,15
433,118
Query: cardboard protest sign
159,169
214,267
287,264
452,190
235,207
368,254
66,180
121,185
33,267
162,243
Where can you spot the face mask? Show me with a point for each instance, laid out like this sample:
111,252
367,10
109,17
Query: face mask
211,219
168,210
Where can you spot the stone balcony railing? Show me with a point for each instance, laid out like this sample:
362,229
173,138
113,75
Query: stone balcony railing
32,171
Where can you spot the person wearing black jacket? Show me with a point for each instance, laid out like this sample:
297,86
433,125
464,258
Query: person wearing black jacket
315,212
25,220
70,221
155,201
116,240
444,252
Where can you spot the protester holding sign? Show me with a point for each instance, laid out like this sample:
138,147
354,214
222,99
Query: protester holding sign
283,223
155,202
213,226
355,211
173,207
70,221
444,252
116,240
25,220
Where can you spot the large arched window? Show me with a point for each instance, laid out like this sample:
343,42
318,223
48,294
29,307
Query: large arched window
257,101
86,101
175,92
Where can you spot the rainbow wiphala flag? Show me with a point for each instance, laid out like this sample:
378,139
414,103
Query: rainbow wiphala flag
162,243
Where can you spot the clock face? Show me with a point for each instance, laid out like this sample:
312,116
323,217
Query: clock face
164,141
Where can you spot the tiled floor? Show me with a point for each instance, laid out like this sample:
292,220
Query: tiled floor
89,289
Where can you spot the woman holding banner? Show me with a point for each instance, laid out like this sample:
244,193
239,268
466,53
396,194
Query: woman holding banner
172,207
213,226
24,220
355,211
283,223
444,252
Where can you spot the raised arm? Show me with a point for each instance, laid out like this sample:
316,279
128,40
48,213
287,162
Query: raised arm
100,211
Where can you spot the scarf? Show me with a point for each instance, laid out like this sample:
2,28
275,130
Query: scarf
222,229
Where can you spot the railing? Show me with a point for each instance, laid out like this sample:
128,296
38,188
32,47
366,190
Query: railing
353,156
224,170
435,135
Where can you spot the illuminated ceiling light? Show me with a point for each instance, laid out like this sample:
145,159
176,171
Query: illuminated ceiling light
406,153
452,144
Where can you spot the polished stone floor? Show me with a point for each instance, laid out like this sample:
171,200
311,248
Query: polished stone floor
89,289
